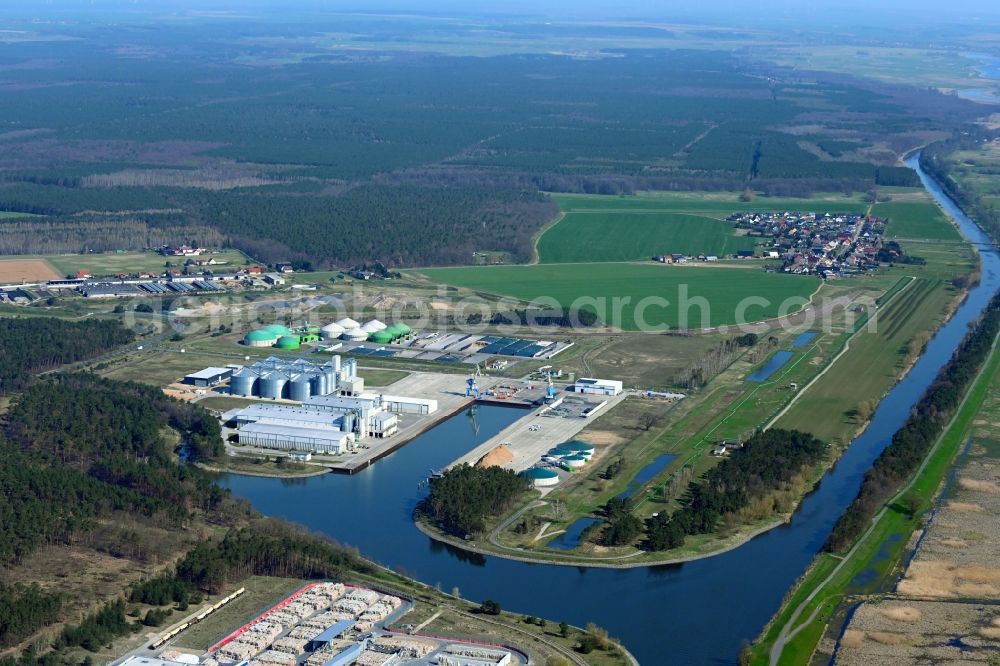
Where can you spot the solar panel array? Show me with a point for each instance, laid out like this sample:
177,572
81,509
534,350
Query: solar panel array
513,347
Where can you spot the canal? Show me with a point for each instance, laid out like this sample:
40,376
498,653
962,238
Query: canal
694,613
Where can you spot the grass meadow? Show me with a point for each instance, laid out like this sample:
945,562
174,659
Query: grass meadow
916,220
723,287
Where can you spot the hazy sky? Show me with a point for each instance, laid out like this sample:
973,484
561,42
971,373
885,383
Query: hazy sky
863,12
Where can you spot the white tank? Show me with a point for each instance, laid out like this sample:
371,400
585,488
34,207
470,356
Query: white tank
347,323
373,326
356,334
331,331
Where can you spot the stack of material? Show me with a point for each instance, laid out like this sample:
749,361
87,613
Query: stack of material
372,658
498,457
274,658
294,646
376,612
408,648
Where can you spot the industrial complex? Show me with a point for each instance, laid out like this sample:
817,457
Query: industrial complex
326,624
379,340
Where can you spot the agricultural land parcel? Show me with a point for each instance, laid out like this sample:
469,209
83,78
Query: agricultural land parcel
723,288
103,264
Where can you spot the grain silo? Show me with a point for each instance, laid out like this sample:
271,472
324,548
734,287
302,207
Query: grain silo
299,387
272,384
244,382
319,383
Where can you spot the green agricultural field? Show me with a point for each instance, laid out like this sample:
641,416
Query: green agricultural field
916,220
596,286
710,204
111,263
615,236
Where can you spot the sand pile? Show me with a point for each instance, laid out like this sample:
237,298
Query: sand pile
498,457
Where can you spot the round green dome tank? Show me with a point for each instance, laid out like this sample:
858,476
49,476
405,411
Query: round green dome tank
404,329
380,337
259,336
394,331
288,342
539,473
277,329
577,445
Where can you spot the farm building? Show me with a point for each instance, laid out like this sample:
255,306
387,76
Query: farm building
598,386
208,376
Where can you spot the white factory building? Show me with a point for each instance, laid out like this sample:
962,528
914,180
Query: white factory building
598,386
325,424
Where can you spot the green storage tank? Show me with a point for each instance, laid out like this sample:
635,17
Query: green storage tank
404,329
394,331
288,342
277,329
259,338
380,337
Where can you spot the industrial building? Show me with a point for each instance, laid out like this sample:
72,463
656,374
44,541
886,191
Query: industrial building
329,424
208,376
598,386
296,379
291,438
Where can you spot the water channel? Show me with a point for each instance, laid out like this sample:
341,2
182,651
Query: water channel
693,613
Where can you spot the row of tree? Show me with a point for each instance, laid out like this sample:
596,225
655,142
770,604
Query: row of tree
911,443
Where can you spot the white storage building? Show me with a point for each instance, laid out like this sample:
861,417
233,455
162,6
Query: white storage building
403,405
291,438
598,386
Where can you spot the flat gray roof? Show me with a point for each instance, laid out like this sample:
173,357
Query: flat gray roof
325,434
208,373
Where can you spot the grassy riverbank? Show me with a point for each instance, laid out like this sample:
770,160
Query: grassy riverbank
804,616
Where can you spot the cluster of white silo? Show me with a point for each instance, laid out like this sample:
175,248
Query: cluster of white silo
294,379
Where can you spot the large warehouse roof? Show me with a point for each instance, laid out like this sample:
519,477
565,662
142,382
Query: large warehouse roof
294,433
208,373
265,412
